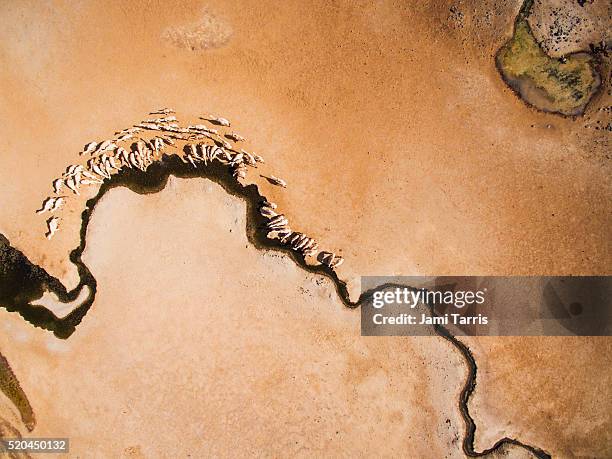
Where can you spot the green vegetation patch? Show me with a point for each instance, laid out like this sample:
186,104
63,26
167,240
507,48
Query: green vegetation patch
555,85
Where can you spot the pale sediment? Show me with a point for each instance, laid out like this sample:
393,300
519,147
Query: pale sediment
151,178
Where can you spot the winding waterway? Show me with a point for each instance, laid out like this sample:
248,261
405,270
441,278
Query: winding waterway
22,282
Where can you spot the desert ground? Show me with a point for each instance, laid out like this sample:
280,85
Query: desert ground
404,151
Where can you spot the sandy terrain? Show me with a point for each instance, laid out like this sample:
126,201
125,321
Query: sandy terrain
175,360
402,147
524,372
570,28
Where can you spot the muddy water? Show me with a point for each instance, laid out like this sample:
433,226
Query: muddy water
9,385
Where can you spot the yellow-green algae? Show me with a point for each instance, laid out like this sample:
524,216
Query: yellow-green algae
564,85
